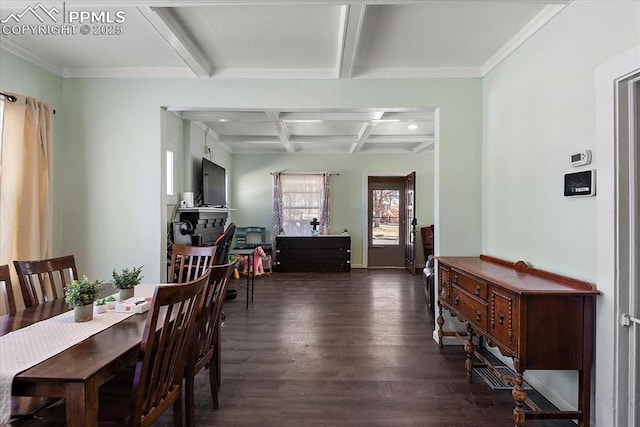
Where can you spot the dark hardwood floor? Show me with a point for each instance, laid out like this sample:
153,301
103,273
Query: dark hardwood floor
343,349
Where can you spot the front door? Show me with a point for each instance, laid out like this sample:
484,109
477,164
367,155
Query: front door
391,219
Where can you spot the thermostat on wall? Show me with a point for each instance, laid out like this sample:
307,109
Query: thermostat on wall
582,158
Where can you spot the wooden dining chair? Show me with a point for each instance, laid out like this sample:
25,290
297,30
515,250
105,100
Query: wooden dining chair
223,242
205,347
139,396
190,262
45,279
6,288
22,407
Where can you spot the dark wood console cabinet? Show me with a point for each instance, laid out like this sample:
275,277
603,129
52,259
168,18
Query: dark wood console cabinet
539,319
313,254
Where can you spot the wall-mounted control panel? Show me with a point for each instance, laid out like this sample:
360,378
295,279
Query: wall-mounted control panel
580,183
581,158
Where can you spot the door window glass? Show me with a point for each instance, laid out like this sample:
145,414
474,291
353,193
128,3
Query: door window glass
385,221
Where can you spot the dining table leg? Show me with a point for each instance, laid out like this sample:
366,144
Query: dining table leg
81,399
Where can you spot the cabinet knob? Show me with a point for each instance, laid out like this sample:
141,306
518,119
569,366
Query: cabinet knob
456,300
501,318
478,315
477,289
455,279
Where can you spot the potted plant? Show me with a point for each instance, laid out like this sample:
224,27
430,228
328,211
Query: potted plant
111,302
100,306
126,280
80,294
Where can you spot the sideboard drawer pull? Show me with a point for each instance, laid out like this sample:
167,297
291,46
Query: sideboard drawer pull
478,315
501,318
456,300
477,289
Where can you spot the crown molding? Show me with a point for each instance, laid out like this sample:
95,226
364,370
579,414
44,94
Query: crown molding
275,73
417,73
539,21
28,55
129,72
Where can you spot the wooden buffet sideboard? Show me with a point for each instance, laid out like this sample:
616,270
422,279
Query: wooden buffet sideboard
541,320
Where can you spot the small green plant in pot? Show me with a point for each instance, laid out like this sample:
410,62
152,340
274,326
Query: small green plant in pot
111,302
80,294
126,280
100,306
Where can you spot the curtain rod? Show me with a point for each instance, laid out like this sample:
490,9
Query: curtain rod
12,98
305,173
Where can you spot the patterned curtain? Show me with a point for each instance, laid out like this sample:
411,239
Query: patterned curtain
277,223
324,206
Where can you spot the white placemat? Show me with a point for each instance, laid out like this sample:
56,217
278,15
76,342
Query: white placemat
28,346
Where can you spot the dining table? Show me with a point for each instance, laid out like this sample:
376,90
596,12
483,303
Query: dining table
77,372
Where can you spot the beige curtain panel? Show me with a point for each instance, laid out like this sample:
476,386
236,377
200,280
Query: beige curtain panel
25,180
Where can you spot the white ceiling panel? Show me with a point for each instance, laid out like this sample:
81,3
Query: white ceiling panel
452,34
130,47
265,37
324,128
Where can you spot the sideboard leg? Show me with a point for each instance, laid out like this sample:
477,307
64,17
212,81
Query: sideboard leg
519,395
440,322
469,350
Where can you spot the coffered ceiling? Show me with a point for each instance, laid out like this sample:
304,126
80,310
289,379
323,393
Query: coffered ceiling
376,131
292,39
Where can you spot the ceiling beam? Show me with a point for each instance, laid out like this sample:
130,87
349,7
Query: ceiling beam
362,137
351,18
281,129
163,20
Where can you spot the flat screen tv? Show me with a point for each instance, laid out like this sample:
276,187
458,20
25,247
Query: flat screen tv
214,184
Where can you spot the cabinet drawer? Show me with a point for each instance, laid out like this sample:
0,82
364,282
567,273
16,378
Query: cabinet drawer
471,285
503,315
472,309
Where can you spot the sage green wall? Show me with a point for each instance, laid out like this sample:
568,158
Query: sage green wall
114,134
252,189
24,78
539,107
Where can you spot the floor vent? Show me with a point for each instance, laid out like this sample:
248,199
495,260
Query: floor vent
496,383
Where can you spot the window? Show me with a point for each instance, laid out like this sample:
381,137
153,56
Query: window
170,174
297,200
301,203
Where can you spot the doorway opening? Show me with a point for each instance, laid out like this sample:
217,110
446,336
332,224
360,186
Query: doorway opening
391,222
628,154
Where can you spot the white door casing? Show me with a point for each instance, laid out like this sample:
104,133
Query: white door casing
612,388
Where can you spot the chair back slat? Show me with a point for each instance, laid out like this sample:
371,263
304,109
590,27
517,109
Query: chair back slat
190,262
208,321
46,279
170,321
7,289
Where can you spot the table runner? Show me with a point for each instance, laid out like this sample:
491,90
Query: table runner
28,346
